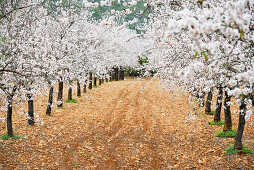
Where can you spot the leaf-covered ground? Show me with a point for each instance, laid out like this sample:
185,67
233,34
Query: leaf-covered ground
124,125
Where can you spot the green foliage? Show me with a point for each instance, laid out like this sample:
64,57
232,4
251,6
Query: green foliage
138,11
227,134
76,164
195,56
54,7
205,56
96,86
212,112
219,123
6,137
142,60
71,101
231,150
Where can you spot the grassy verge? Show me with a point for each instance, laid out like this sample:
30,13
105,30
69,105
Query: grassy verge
219,123
96,86
227,134
6,137
71,101
231,150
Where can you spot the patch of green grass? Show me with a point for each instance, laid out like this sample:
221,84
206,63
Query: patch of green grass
75,164
212,112
231,150
71,101
6,137
96,86
219,123
227,134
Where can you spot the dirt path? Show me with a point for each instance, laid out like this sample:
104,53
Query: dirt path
121,125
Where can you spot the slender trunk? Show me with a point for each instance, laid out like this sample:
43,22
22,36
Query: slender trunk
116,70
50,101
60,95
84,89
78,89
9,116
106,79
122,74
30,120
252,98
70,90
95,81
228,120
90,81
238,138
218,105
100,81
209,101
112,78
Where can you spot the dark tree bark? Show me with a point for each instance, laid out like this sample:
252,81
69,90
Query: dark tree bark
116,72
252,98
9,116
106,79
9,112
30,120
90,81
50,101
208,102
100,81
121,74
228,120
238,138
84,89
78,89
112,76
95,81
218,105
70,91
60,94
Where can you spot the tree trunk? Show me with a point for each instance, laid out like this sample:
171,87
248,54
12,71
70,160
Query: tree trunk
50,101
9,116
90,81
30,120
112,77
228,120
106,79
252,98
208,102
218,105
78,89
95,81
100,81
116,70
122,74
238,138
60,95
84,89
70,91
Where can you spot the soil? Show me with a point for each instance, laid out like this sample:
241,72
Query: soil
132,124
